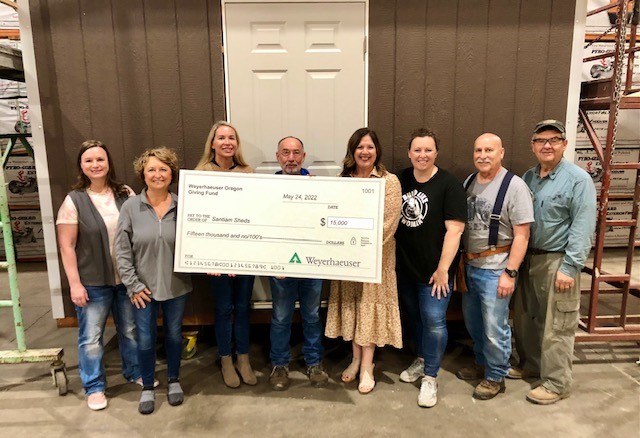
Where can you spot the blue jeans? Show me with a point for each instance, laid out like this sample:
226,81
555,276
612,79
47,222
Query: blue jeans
146,325
284,294
91,321
232,296
427,319
487,319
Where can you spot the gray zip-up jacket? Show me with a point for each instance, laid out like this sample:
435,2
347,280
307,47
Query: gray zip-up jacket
145,246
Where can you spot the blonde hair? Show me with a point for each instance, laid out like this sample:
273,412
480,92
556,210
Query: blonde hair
162,153
209,154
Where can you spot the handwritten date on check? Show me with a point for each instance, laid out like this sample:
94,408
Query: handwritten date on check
280,225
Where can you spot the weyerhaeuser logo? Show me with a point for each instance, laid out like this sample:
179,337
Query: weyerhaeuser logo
295,258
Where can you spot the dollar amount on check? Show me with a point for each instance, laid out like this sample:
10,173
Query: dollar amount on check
280,225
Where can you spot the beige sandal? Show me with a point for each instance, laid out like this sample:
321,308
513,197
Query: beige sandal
351,372
367,381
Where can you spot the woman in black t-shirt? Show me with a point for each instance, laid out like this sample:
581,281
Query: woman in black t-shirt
434,210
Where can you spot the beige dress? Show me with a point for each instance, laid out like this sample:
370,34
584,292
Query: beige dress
367,312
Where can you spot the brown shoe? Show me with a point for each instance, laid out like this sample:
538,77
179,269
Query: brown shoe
473,372
246,372
317,376
279,378
517,373
488,389
544,396
229,374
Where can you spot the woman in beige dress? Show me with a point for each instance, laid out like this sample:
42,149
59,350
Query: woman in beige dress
367,314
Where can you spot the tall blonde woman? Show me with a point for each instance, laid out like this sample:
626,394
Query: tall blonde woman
367,314
231,293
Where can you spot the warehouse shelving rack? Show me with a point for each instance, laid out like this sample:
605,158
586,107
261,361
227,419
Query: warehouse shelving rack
613,95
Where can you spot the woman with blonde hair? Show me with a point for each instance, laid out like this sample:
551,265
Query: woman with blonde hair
367,314
231,293
145,249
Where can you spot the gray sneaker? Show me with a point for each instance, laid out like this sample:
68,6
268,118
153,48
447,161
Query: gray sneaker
279,378
414,372
317,376
428,396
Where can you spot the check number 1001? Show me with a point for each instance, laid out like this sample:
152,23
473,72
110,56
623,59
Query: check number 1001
354,223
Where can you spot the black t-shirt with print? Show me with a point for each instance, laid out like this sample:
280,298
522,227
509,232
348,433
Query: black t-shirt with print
420,234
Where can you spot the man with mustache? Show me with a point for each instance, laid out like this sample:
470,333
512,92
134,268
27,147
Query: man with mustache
285,292
547,308
495,239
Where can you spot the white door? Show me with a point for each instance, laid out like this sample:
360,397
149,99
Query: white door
296,69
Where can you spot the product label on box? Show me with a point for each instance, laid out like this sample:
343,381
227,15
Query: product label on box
20,176
628,128
622,180
28,238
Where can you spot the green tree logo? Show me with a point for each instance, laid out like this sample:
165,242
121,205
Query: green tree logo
295,258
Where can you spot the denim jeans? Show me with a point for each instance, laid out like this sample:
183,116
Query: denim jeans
232,297
91,323
284,294
487,319
146,325
427,320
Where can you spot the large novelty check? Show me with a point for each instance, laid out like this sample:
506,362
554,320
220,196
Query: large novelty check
280,225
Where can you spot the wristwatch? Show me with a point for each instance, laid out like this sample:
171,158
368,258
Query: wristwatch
513,273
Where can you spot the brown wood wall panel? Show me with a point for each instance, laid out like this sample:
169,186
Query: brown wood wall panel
217,66
382,76
470,71
102,75
194,57
164,73
73,95
133,84
440,82
410,74
557,70
487,68
533,43
500,87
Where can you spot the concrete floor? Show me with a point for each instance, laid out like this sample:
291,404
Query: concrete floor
605,401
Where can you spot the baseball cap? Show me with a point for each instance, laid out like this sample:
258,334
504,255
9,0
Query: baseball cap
550,124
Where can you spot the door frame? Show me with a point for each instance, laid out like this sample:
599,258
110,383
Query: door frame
366,46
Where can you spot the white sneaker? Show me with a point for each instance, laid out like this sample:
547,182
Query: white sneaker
414,372
96,401
428,396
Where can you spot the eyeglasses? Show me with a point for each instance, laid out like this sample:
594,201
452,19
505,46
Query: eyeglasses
287,152
553,141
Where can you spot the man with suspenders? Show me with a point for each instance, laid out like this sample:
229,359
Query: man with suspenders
499,212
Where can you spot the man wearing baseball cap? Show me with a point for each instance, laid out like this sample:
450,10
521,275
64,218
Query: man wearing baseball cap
546,309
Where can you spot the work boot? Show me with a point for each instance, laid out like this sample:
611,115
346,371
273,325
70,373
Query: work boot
517,373
279,378
229,374
317,376
473,372
414,372
488,389
544,396
428,396
246,372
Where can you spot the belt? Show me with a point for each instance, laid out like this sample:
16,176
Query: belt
536,251
487,253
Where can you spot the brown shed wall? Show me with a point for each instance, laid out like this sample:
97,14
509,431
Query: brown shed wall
141,73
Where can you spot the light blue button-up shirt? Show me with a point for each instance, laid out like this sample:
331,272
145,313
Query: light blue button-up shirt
564,206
